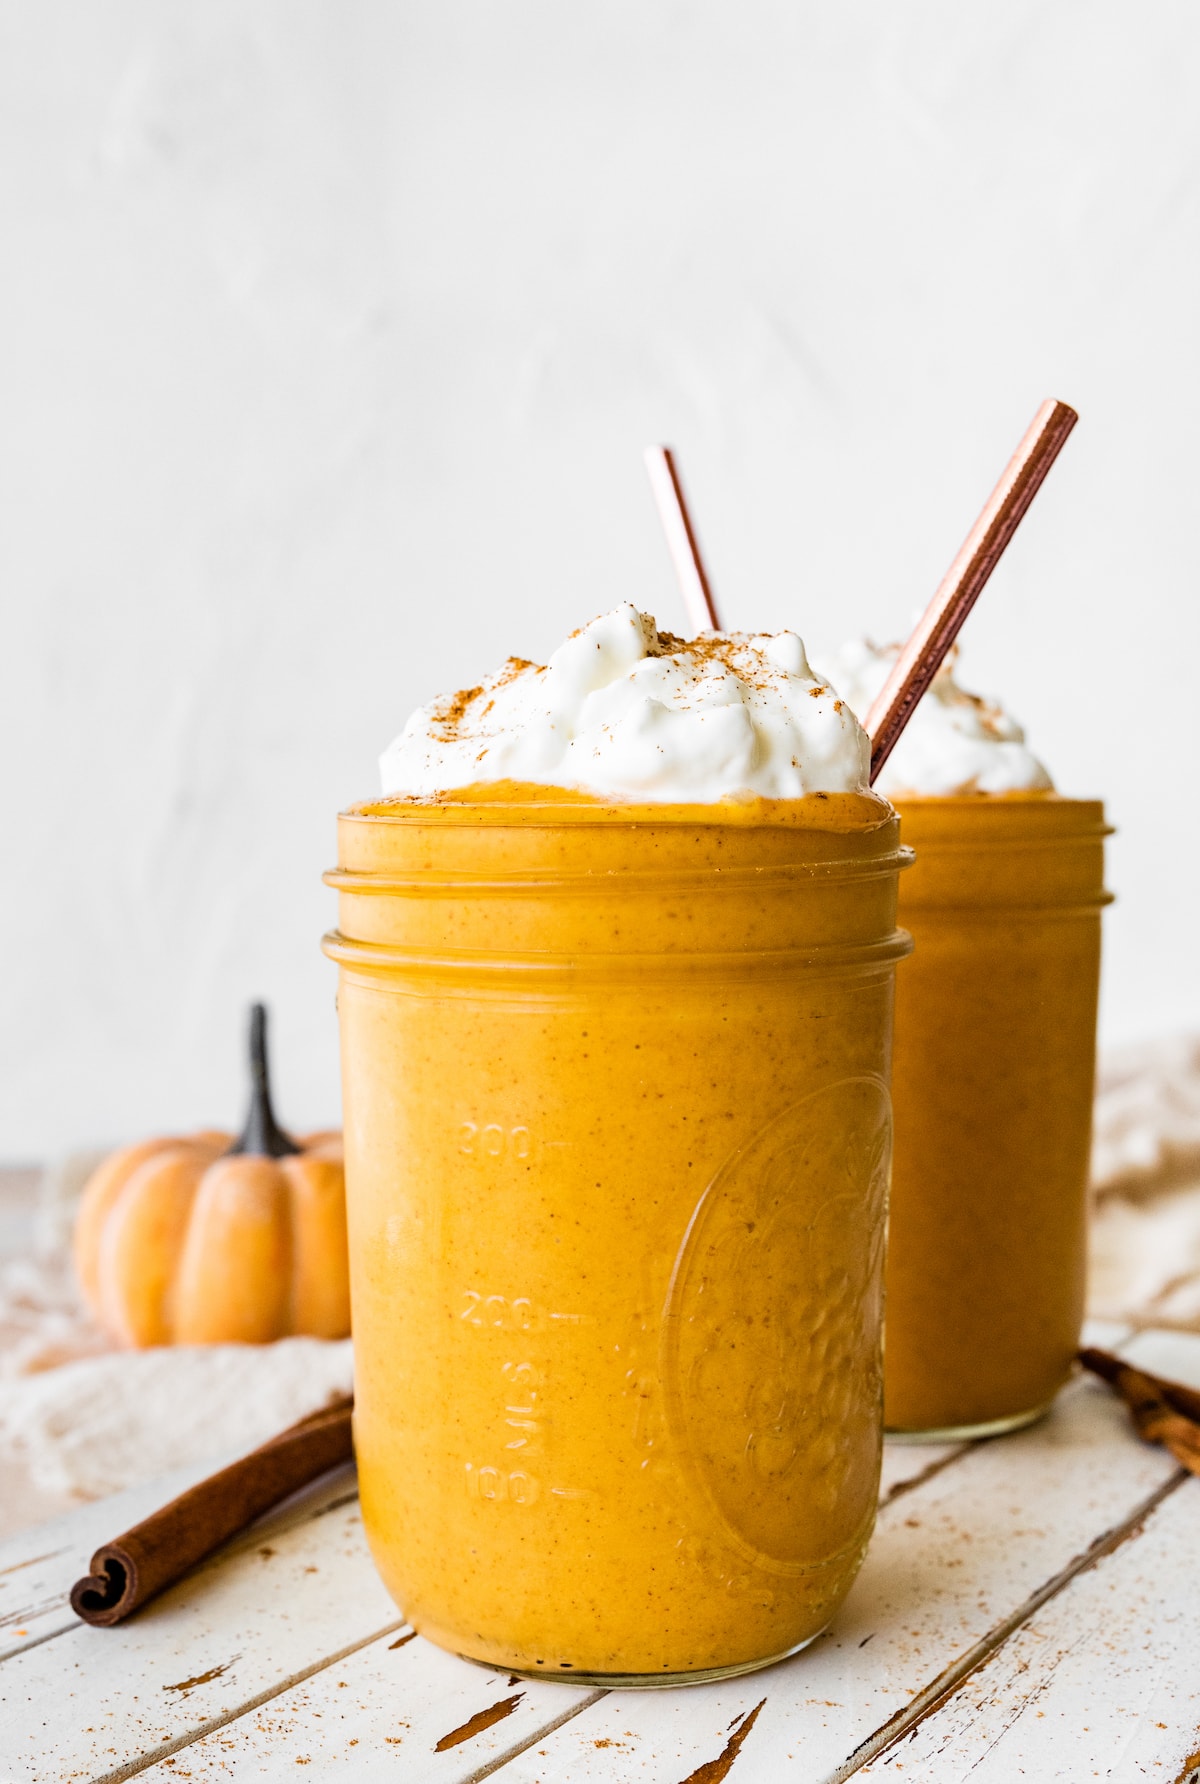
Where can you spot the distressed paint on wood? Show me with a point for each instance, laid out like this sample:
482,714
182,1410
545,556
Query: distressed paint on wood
87,1701
1174,1354
411,1713
1051,1477
1101,1683
905,1464
39,1566
953,1557
950,1562
1104,1678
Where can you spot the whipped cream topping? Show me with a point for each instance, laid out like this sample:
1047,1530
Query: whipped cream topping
625,711
955,742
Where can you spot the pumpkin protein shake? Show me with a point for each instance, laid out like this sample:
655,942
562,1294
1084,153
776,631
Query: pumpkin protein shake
617,949
994,1064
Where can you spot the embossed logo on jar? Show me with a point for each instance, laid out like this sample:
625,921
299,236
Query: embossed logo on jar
771,1336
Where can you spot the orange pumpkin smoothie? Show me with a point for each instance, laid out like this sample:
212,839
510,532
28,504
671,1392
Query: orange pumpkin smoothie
994,1061
617,1123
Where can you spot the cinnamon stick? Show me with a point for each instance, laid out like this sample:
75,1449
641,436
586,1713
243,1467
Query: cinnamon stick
1163,1411
137,1566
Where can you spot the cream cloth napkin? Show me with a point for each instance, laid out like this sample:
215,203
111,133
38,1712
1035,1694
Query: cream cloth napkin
1145,1234
89,1428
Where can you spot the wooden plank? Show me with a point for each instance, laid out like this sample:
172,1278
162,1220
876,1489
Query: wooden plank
399,1709
907,1461
909,1470
367,1705
1104,1680
904,1464
93,1700
357,1700
1102,1683
951,1561
1174,1354
39,1566
372,1673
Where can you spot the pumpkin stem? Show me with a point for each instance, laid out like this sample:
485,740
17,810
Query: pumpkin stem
262,1135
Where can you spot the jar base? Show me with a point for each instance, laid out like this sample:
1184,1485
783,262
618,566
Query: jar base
664,1681
1015,1421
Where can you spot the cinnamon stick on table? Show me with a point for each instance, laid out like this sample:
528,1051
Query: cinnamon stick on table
137,1566
1163,1411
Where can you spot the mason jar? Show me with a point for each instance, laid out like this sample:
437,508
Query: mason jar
618,1130
994,1068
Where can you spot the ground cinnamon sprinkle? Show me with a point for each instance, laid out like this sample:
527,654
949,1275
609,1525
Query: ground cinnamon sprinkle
447,713
728,649
451,714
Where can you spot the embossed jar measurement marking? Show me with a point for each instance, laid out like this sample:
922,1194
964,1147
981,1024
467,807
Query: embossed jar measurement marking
493,1140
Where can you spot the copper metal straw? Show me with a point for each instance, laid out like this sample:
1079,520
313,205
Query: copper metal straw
963,583
681,540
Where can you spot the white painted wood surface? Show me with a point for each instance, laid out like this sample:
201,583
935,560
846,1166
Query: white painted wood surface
1103,1680
39,1567
1029,1608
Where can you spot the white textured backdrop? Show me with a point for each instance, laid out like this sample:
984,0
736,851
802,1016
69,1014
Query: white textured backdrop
330,335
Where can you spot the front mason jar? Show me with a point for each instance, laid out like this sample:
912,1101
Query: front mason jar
618,1130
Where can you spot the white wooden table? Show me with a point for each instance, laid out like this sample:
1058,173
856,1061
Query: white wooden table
1029,1608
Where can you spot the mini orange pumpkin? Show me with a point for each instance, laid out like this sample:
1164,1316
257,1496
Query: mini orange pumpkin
207,1240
